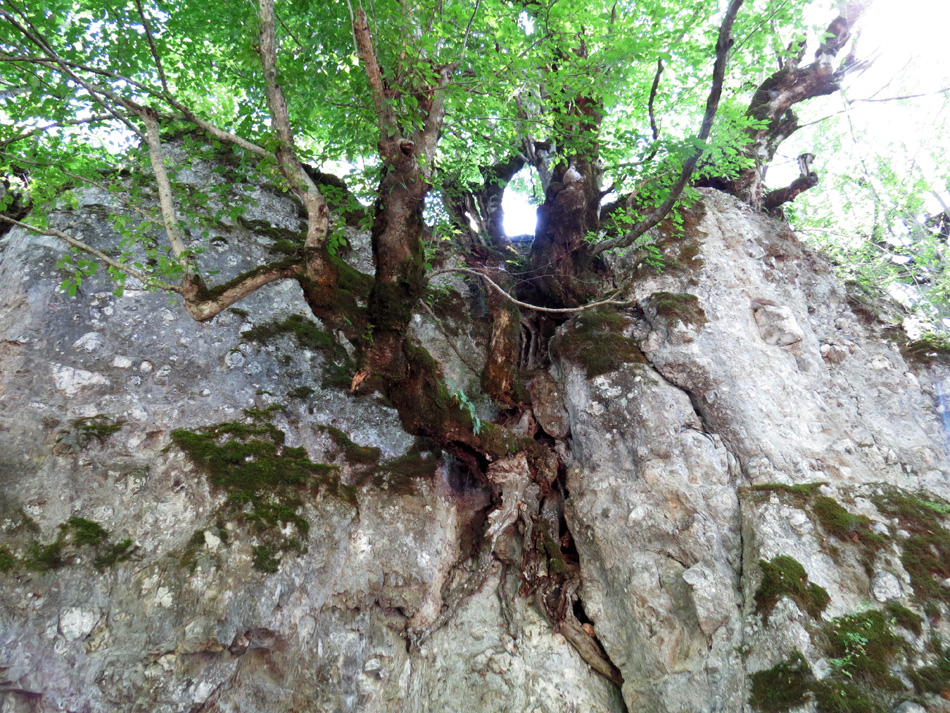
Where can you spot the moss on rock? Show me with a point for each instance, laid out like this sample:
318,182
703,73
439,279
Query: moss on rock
925,552
264,479
782,687
595,340
784,576
677,308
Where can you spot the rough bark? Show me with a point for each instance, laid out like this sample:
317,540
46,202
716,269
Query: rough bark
773,101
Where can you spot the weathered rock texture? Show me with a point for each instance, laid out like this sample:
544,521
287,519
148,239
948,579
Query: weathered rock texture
685,469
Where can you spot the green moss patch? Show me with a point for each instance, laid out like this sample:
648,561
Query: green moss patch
782,687
784,576
74,536
7,559
902,616
833,518
678,308
928,349
933,679
838,522
801,492
836,696
595,340
863,647
86,532
351,452
264,479
82,432
925,552
339,367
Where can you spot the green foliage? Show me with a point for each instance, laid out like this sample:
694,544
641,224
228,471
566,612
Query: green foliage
465,403
784,576
863,646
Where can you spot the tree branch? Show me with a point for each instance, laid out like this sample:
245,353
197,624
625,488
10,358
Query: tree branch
203,304
723,44
151,46
367,54
514,300
165,199
318,216
55,125
131,272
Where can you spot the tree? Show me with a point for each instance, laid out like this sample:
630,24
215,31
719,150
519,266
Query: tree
440,105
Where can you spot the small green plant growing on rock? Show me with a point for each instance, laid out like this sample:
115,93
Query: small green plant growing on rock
784,576
863,646
902,616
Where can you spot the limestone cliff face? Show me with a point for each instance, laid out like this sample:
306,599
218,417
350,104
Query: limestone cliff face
197,517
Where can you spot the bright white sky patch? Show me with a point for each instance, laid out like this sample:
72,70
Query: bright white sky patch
520,214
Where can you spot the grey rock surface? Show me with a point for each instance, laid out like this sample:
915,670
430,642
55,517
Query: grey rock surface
681,476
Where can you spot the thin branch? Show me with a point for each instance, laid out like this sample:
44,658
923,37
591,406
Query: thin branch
167,203
96,184
723,44
367,54
202,305
151,46
65,69
318,216
549,310
131,272
468,29
653,90
56,125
